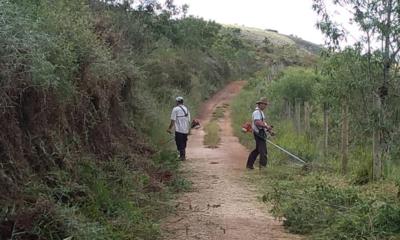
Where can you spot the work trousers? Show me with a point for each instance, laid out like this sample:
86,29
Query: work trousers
181,140
261,149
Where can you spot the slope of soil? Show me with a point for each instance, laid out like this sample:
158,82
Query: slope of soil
222,205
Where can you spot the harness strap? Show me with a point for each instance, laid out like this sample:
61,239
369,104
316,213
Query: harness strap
262,119
186,114
262,115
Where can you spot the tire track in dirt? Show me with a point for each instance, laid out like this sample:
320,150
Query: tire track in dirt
222,205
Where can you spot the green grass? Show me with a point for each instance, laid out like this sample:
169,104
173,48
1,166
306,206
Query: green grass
219,112
212,138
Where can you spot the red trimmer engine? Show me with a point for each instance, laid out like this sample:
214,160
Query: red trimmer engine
195,124
246,127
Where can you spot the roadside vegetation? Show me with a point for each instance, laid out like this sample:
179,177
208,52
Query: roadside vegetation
86,92
87,87
334,115
319,199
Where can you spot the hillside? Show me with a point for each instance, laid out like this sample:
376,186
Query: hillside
274,47
309,46
258,37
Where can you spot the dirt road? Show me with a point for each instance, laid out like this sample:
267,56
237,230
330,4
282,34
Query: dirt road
222,205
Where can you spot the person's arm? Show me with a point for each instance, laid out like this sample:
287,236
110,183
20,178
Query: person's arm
261,124
189,119
171,125
189,122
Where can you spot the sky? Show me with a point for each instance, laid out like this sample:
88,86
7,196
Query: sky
294,17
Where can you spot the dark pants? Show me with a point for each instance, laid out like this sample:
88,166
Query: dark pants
181,139
261,149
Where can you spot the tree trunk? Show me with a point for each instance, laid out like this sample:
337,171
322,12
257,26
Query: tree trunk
345,137
380,100
326,128
377,150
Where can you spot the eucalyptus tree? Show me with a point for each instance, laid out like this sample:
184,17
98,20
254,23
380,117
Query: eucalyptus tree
379,24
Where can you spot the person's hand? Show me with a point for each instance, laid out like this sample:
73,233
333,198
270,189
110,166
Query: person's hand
270,129
169,131
272,133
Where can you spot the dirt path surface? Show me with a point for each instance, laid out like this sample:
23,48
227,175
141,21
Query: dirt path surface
222,205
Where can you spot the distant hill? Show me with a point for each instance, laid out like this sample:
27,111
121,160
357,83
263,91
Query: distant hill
258,35
311,47
275,48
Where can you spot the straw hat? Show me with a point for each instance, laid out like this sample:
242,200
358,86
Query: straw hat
262,100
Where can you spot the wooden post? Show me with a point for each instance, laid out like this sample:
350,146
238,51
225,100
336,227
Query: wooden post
286,108
298,115
345,137
326,128
307,109
283,113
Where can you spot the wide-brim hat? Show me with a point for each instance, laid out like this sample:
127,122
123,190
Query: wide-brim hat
262,100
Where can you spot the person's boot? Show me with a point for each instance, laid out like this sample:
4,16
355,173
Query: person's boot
182,155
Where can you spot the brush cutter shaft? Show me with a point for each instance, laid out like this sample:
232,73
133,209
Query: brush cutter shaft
287,152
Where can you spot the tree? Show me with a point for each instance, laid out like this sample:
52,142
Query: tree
379,21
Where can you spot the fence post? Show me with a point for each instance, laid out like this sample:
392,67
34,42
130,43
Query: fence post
298,114
307,110
326,128
345,136
377,141
286,108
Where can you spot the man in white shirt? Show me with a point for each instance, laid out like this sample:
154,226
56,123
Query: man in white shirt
260,128
180,119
